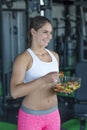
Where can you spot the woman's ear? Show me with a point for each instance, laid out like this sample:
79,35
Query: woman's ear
33,32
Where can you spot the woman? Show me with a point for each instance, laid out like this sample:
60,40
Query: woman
35,72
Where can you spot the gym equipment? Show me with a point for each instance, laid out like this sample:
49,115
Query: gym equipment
79,121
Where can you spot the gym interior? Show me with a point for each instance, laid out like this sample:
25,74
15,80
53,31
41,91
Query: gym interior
69,19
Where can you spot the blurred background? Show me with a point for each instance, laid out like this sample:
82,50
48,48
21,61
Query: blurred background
69,19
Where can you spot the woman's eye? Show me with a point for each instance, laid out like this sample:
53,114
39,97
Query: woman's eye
45,32
49,33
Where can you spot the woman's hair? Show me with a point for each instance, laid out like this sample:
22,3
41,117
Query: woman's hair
36,23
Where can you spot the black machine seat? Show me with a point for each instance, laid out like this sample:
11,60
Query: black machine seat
80,104
80,107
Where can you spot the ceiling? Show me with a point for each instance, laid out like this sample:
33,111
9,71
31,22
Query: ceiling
71,2
63,1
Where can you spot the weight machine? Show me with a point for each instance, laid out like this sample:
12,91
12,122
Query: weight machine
14,24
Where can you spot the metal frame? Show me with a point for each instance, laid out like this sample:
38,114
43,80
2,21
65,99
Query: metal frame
6,71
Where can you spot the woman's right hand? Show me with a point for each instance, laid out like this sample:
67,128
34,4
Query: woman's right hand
51,79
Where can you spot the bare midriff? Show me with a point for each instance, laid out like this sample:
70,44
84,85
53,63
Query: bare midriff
40,99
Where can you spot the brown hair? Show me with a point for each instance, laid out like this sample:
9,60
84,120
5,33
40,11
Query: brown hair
36,22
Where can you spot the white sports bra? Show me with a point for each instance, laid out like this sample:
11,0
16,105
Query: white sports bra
40,68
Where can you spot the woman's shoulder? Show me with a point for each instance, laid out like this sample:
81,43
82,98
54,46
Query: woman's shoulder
23,58
25,54
55,54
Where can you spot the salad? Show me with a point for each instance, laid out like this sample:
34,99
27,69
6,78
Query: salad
67,84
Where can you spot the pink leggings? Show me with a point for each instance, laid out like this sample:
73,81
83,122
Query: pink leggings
40,120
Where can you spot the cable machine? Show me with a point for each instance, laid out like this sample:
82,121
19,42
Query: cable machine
81,13
14,40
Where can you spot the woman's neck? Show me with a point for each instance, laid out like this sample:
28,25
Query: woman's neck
38,50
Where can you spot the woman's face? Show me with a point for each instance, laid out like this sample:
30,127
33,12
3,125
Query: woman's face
43,36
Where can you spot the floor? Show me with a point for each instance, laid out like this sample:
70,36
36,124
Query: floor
9,113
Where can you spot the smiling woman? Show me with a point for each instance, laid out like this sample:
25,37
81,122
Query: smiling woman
38,31
33,76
